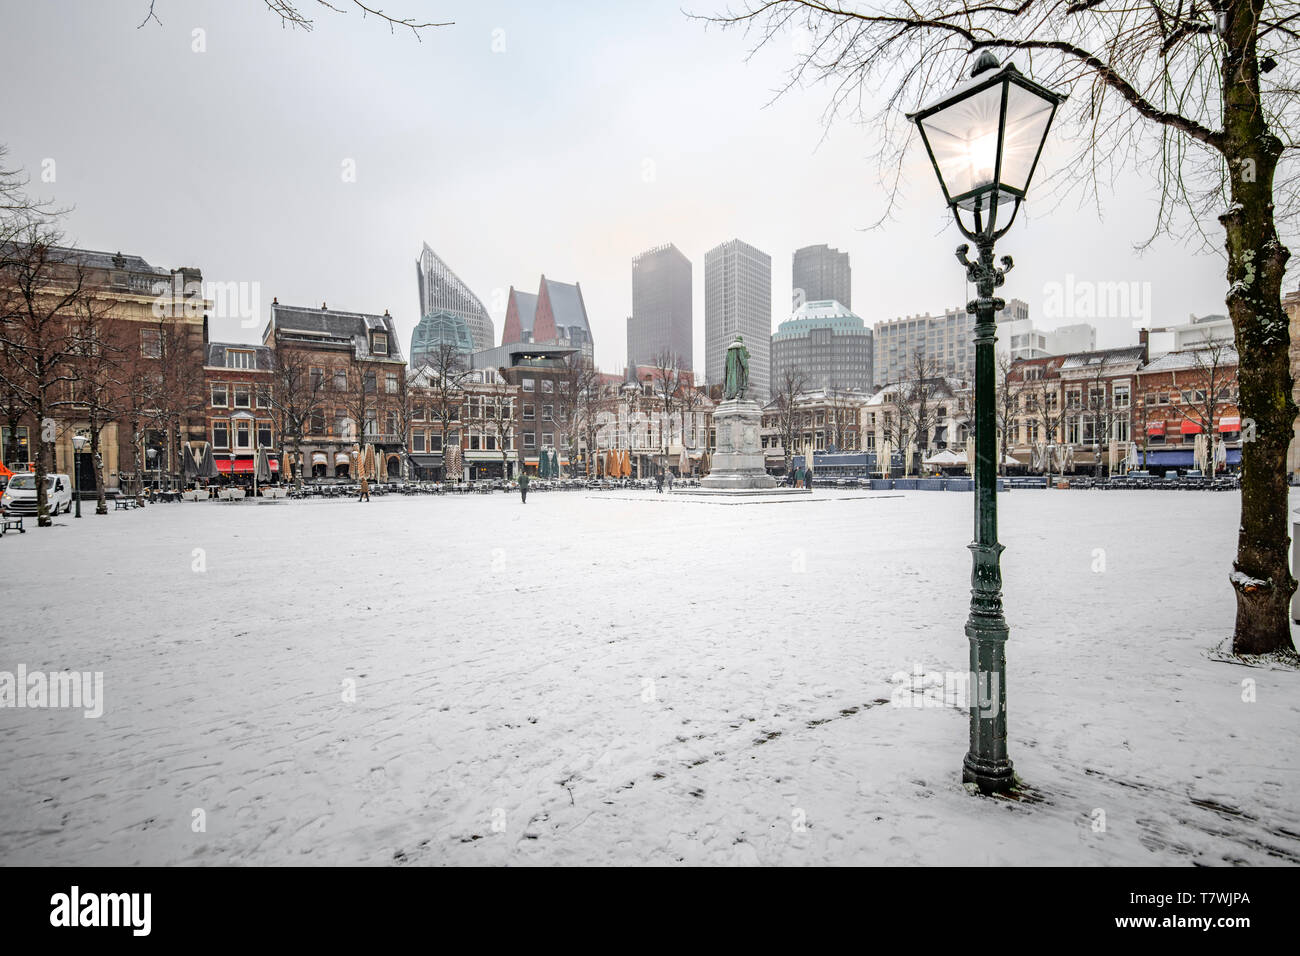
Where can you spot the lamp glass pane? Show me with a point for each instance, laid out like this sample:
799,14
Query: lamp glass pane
964,139
1028,114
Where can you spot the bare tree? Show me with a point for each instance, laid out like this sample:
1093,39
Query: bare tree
296,395
666,385
291,15
1187,91
97,362
1006,406
41,288
1215,364
445,370
916,404
791,384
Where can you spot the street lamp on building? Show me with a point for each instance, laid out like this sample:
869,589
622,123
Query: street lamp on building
78,443
984,139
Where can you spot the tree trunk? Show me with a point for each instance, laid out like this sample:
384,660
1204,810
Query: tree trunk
101,503
1256,266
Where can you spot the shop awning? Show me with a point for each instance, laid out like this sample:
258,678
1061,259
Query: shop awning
427,461
1171,457
1155,428
319,458
342,458
240,466
1230,423
1191,428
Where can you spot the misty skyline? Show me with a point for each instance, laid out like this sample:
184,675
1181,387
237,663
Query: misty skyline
518,142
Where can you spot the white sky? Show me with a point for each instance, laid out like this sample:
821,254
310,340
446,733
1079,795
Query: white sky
603,129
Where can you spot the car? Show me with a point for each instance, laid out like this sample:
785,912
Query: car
19,496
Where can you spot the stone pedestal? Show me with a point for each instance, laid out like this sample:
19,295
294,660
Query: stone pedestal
738,462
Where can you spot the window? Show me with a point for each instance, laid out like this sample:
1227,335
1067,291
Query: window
342,424
417,413
435,441
151,343
390,383
548,386
1074,398
548,413
529,412
14,443
474,441
530,440
317,379
1119,394
221,434
380,346
529,385
369,383
390,422
263,434
264,396
243,434
219,396
317,423
548,439
1074,432
1119,429
243,398
371,423
1150,398
340,380
490,443
236,358
417,441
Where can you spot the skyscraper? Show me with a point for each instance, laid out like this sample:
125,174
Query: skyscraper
661,316
822,273
738,300
442,291
826,345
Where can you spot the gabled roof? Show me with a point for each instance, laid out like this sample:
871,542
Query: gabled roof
1193,358
567,306
216,356
343,327
1132,354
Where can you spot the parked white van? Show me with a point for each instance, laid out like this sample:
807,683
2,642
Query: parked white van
19,496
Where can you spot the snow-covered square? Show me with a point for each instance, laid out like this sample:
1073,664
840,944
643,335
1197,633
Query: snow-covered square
636,678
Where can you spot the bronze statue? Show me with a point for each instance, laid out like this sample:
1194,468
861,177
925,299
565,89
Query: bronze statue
737,380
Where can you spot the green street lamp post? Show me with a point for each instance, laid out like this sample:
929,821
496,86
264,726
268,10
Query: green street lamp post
78,443
984,139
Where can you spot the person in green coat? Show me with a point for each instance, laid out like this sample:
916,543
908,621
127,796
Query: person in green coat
523,486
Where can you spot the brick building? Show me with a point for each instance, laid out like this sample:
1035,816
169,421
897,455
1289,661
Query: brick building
238,381
356,359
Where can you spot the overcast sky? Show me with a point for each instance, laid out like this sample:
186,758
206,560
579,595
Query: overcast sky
592,132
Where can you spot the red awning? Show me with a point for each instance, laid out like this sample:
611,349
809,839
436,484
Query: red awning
240,466
1191,428
1156,428
1230,423
275,464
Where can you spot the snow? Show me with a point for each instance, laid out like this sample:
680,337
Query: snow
635,678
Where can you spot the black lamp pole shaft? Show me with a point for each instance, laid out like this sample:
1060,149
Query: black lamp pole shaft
987,764
76,478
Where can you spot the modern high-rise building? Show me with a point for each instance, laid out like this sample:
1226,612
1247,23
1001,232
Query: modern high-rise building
556,315
826,345
441,290
661,308
947,341
435,330
822,274
738,301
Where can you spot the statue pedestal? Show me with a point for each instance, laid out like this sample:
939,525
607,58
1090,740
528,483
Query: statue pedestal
738,462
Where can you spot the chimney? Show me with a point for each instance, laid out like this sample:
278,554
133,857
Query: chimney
323,307
1144,341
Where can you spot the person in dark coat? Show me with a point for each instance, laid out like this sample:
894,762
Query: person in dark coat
659,483
365,490
523,487
808,477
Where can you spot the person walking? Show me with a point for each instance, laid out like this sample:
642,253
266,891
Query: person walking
808,477
659,483
365,490
523,487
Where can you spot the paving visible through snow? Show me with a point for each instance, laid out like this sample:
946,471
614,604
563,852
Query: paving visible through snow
638,679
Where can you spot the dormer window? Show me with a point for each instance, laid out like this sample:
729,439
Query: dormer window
238,359
380,343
